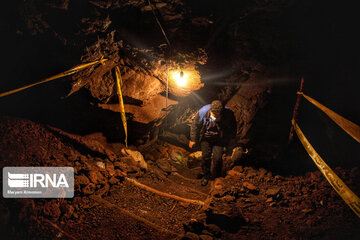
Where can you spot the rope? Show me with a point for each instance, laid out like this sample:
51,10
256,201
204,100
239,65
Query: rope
340,187
63,74
349,127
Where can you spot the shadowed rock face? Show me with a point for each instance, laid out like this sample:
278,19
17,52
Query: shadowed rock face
67,33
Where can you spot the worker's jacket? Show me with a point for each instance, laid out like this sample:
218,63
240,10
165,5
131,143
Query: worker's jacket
227,125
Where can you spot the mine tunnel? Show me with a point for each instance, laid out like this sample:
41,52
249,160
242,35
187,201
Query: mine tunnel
112,93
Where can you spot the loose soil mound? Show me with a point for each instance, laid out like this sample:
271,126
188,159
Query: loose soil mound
116,199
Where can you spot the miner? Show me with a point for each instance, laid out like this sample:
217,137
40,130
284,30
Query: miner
213,127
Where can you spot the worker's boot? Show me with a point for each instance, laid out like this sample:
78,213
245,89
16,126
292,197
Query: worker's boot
204,181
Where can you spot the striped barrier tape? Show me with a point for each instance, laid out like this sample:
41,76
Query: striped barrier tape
340,187
63,74
121,101
351,128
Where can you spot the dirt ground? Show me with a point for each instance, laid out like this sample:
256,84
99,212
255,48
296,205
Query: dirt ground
117,198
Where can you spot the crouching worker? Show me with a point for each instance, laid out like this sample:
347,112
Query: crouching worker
213,127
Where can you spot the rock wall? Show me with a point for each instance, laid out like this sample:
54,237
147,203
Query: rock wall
126,33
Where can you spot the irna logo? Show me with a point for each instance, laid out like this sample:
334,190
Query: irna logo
36,180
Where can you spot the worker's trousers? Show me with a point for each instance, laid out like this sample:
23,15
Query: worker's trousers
216,150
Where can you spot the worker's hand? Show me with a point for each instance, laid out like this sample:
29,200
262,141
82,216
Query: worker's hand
191,144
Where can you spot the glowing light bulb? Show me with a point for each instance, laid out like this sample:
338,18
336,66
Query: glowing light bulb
180,78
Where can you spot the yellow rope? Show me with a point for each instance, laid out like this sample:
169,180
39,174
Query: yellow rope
63,74
340,187
351,128
121,101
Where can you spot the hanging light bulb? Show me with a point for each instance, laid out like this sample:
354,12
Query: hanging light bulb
180,78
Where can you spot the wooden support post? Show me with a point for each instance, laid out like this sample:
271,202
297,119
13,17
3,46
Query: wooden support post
295,112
